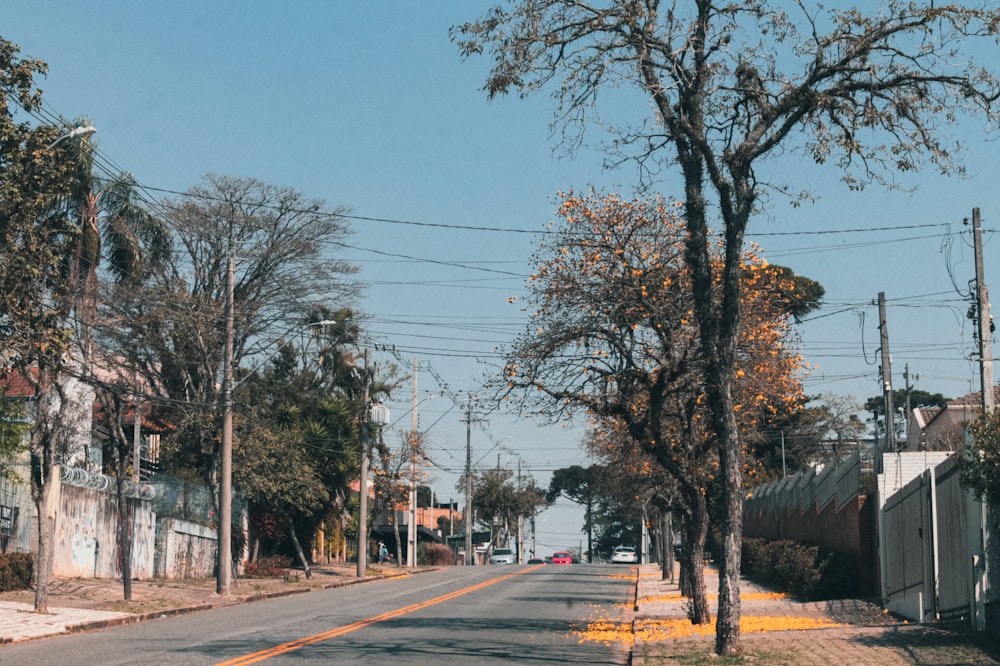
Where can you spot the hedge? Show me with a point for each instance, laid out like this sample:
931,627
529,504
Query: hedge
807,572
17,571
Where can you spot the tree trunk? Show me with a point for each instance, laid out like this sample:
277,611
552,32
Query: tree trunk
727,635
698,611
298,547
399,541
45,431
46,528
125,539
718,323
666,530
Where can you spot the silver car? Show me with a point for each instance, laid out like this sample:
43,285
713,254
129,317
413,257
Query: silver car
502,556
624,555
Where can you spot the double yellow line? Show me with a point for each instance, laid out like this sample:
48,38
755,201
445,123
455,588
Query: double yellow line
300,643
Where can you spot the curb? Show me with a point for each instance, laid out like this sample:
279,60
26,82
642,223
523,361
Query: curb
156,615
130,619
635,609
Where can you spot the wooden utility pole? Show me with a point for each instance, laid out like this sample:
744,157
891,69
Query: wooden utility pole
985,319
890,414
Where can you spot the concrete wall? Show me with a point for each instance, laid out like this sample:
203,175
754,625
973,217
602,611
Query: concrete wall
85,542
17,531
85,507
185,549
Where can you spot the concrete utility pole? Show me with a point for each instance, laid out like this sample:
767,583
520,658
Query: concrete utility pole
985,319
226,482
363,480
411,528
468,484
520,520
890,413
137,440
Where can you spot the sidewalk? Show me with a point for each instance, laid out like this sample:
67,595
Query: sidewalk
82,604
780,630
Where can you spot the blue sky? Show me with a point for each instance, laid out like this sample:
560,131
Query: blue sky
368,105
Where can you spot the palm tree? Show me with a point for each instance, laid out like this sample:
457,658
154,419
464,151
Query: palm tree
107,210
134,241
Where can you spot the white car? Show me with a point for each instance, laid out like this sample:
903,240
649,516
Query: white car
624,555
502,556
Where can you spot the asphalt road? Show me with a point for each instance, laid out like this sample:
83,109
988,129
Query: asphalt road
460,615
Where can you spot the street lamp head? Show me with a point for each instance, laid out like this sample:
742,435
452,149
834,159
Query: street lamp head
75,133
85,130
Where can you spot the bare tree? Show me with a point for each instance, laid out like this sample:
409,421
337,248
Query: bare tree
170,330
730,86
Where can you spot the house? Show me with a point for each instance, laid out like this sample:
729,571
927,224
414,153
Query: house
942,428
427,521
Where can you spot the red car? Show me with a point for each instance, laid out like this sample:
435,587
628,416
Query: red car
562,558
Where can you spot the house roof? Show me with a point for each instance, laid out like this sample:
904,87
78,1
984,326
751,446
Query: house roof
16,385
944,417
925,415
974,399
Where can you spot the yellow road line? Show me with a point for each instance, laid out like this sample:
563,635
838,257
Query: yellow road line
300,643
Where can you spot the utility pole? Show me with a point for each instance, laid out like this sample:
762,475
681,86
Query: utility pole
226,482
784,469
520,520
890,420
985,318
906,378
982,569
468,483
137,440
531,554
411,528
363,481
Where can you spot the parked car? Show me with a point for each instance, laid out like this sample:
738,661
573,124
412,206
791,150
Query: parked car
562,557
502,556
536,560
624,555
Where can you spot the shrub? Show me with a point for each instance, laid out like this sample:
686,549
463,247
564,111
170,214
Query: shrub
267,567
436,554
807,572
17,570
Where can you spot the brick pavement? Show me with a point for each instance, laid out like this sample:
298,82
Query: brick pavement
18,622
842,632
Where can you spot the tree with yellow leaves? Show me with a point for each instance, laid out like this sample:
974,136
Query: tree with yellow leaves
614,333
726,90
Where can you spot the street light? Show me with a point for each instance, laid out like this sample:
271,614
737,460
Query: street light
376,415
76,132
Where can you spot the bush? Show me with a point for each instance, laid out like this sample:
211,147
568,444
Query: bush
436,554
807,572
267,567
17,570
